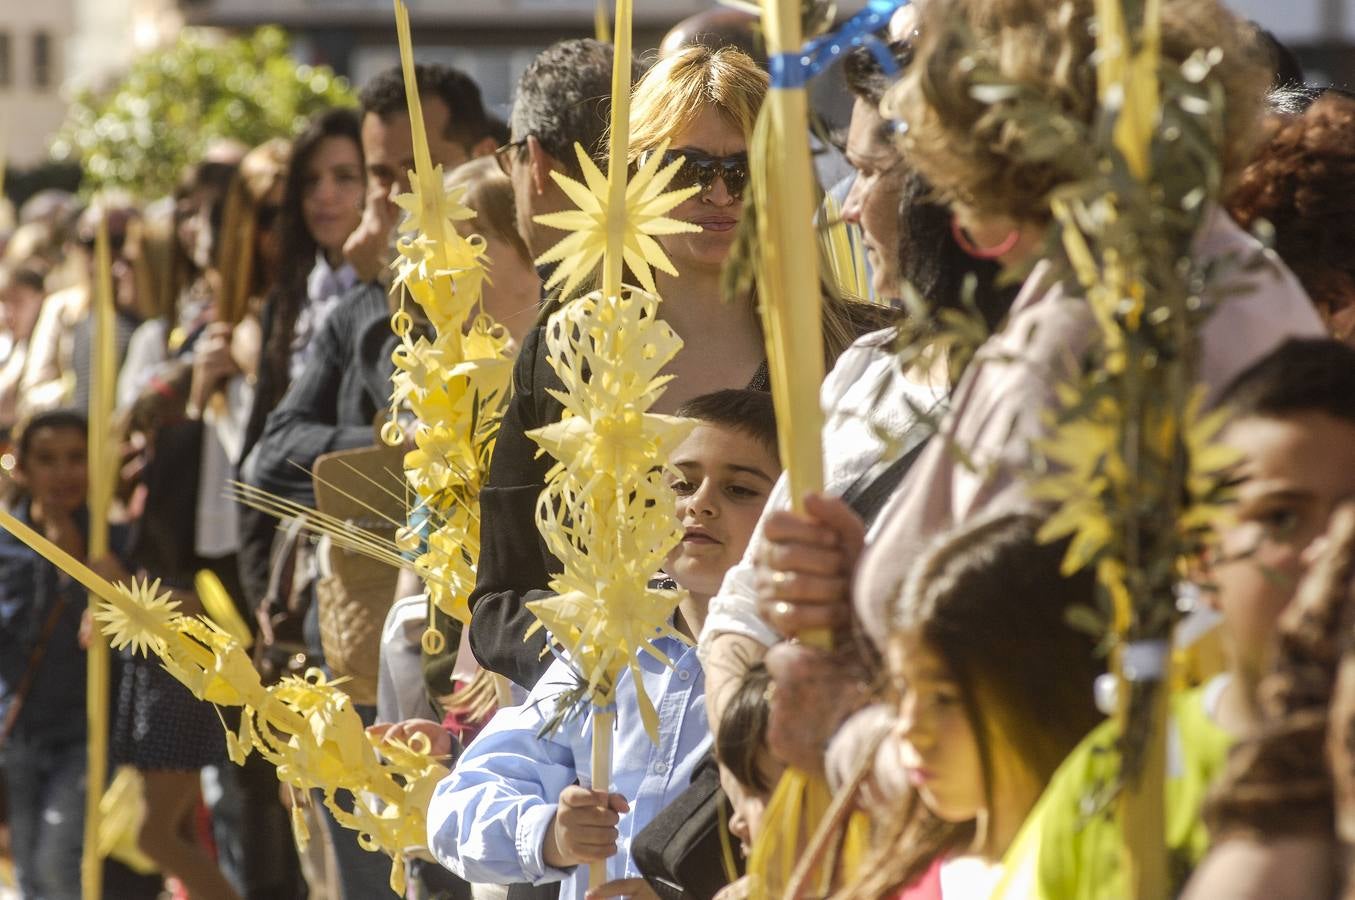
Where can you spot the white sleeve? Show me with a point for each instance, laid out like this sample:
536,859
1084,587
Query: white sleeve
487,820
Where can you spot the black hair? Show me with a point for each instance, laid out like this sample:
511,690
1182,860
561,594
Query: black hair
740,409
298,245
1285,63
1301,375
59,419
743,730
937,267
565,97
384,96
863,75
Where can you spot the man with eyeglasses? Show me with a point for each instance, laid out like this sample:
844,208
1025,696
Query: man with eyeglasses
563,98
346,380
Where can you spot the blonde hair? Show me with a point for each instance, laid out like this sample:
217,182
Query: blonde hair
973,152
260,172
679,88
490,194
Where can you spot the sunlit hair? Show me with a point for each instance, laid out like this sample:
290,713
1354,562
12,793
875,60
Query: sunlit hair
991,601
678,89
261,171
490,193
973,153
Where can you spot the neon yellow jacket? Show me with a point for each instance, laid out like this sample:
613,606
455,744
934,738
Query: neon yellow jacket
1070,846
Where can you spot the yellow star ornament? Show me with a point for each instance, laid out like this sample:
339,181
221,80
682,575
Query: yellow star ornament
647,205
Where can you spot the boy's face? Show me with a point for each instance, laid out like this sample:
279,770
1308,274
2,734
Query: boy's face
54,469
724,481
1295,471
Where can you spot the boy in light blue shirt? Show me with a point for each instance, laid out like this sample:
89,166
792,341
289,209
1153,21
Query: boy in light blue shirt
519,807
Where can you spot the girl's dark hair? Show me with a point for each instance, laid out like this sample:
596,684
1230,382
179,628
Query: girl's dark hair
298,245
743,730
992,602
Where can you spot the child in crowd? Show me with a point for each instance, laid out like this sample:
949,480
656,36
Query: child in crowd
1294,425
992,688
519,806
42,659
748,771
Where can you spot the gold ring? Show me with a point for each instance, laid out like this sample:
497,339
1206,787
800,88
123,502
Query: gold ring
780,577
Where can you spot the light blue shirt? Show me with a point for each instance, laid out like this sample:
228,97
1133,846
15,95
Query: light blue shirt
488,818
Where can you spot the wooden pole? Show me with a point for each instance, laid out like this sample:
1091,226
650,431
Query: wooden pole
103,371
788,280
601,771
617,170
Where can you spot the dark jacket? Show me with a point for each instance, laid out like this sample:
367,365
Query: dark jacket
334,403
330,407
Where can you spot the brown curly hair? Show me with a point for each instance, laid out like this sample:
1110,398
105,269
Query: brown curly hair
1302,182
974,151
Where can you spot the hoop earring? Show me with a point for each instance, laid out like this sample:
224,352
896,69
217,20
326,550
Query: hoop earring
966,243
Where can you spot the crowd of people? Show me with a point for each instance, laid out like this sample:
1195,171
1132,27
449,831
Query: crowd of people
956,712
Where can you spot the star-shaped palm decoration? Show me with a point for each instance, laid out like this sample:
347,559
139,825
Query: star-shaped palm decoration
144,623
647,205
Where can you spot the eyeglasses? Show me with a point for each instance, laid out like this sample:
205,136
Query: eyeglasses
504,155
702,169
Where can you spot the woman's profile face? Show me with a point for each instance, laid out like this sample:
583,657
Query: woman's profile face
715,209
332,192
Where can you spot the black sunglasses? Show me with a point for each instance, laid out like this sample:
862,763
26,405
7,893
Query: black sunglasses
702,169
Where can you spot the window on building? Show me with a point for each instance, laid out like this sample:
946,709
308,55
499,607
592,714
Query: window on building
6,60
42,60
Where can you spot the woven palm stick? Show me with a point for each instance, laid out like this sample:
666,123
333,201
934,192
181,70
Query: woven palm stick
612,259
100,463
788,274
1127,67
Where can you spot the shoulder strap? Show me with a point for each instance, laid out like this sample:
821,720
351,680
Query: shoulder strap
31,669
868,493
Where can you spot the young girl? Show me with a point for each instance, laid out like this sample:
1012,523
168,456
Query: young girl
42,659
748,772
992,689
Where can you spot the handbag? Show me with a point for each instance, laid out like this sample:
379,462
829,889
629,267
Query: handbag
281,649
365,489
682,851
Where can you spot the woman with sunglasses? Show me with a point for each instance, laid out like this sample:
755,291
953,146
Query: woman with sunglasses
699,104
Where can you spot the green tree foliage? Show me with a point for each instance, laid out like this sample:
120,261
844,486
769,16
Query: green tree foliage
141,132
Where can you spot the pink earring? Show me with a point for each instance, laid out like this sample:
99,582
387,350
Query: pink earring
967,244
